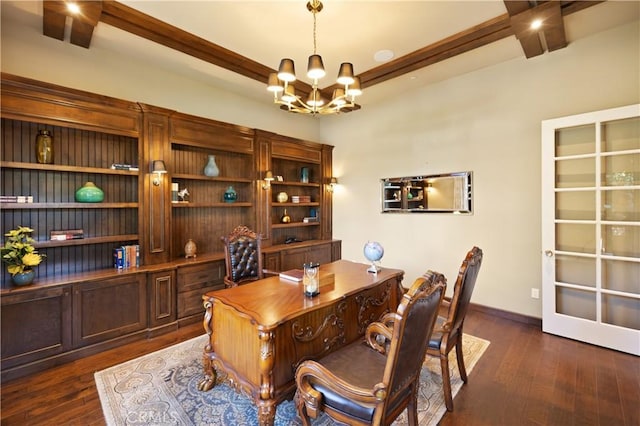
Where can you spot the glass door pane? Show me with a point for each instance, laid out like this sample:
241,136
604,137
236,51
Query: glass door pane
621,135
575,140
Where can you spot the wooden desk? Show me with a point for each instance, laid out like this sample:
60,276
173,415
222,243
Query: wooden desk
260,332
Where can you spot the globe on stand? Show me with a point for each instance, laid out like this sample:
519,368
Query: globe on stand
373,251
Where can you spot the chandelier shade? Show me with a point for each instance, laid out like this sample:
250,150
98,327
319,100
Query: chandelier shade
343,98
274,83
315,67
287,70
345,75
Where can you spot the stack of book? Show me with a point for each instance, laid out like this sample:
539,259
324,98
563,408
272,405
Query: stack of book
67,234
127,257
310,219
16,199
300,198
119,166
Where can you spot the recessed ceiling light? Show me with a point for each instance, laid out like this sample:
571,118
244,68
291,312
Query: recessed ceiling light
536,24
73,8
383,55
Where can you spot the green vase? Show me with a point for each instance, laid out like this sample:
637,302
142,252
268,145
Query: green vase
89,193
24,278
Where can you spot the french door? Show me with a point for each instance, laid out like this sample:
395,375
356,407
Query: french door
591,228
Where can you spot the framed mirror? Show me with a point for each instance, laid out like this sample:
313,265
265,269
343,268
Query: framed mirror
443,193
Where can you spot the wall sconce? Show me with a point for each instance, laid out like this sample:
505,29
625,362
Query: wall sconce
268,177
332,183
157,168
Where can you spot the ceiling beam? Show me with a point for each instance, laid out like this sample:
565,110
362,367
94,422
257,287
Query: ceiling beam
54,18
551,35
520,18
464,41
116,14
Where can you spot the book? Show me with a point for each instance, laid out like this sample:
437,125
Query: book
126,257
118,255
16,199
118,166
67,234
292,275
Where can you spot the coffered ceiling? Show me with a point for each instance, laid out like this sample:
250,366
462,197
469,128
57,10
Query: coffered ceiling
237,43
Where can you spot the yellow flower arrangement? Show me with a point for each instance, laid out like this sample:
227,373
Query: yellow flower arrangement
18,251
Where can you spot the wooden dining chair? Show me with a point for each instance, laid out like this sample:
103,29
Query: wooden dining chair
242,256
372,381
448,330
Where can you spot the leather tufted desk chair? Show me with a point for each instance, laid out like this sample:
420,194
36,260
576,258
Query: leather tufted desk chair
243,257
448,331
372,382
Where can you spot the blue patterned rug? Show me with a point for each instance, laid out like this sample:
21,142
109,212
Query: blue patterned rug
161,388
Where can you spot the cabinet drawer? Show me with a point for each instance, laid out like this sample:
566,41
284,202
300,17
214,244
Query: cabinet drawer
190,302
200,276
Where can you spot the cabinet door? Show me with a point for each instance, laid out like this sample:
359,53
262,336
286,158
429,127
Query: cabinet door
293,258
296,257
271,261
320,254
110,308
35,325
336,250
162,292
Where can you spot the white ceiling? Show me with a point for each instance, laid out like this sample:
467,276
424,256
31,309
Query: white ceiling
347,31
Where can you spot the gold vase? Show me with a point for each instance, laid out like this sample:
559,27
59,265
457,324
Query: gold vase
285,217
44,147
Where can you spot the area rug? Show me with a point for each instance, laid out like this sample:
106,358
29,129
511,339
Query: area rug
161,388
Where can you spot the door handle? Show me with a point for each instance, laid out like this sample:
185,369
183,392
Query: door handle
548,253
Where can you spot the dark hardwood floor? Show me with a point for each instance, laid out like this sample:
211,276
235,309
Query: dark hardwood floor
525,377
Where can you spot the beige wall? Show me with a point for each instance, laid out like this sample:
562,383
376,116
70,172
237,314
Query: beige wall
487,121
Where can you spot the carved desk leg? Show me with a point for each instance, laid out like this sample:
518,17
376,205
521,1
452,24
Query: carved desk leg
209,379
266,404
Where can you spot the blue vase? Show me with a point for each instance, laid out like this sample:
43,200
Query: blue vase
230,195
304,175
24,278
89,193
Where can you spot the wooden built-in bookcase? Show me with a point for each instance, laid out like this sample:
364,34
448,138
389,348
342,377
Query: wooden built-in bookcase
80,156
79,303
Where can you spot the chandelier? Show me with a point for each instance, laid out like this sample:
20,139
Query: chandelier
284,93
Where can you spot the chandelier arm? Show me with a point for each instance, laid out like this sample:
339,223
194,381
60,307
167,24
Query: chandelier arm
305,108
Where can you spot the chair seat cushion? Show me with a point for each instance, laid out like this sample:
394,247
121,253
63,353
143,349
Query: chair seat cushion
358,365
